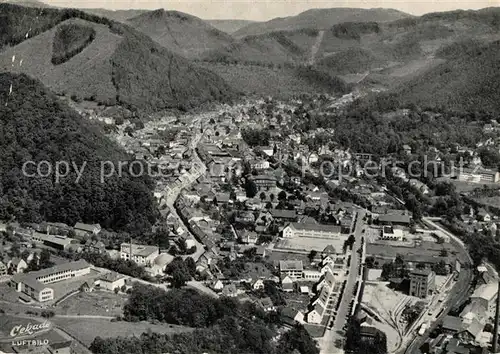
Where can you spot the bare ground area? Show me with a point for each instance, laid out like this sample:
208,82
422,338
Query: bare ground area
387,304
99,303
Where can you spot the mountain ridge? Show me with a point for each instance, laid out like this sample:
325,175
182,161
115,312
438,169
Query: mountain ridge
321,19
182,33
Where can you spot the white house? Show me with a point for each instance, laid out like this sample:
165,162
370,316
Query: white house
258,284
110,281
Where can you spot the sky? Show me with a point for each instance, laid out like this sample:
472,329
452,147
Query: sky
263,10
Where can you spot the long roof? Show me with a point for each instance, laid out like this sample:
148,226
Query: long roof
315,227
31,278
487,291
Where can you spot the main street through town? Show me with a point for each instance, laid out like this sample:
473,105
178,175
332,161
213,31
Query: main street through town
188,179
336,333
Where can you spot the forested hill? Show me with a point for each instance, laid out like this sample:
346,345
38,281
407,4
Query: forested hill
116,65
469,81
36,126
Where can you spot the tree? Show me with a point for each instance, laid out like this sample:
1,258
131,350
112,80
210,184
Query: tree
262,196
312,255
282,195
191,265
45,261
251,189
297,339
181,271
180,276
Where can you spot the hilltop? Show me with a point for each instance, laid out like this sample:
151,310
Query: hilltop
229,26
27,3
118,66
275,47
182,33
34,126
321,19
116,15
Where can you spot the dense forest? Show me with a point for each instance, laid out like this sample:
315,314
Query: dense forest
468,81
363,129
69,40
224,326
36,126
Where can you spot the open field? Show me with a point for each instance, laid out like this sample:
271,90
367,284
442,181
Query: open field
424,249
86,329
102,303
307,244
65,287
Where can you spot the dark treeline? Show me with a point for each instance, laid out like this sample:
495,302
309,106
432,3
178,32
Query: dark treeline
69,41
224,326
35,126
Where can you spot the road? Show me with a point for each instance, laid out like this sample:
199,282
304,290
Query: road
458,295
172,194
327,342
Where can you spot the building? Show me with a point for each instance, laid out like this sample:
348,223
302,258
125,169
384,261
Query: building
16,265
422,282
287,284
311,275
57,242
293,230
267,304
283,215
485,296
34,284
395,218
229,290
478,175
291,317
324,305
110,281
3,269
292,269
140,254
258,285
390,233
259,164
82,229
264,182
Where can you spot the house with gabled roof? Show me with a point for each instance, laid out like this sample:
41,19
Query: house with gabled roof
230,290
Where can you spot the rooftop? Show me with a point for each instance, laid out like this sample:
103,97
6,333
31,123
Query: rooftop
486,291
291,265
139,250
316,227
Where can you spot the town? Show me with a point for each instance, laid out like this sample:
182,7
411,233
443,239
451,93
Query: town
247,212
